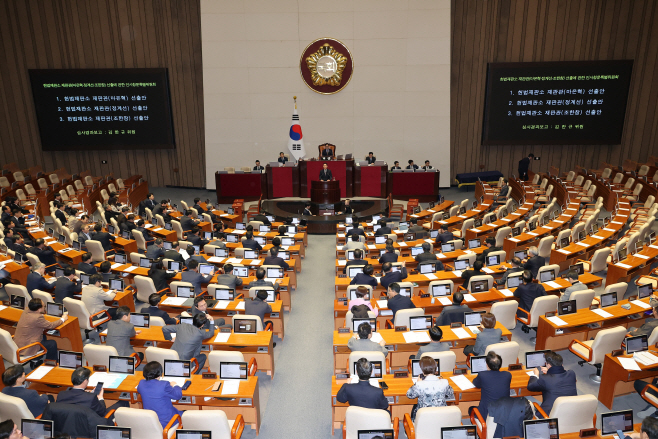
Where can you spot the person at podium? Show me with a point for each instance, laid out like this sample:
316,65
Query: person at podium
371,159
427,166
325,174
327,152
396,165
411,165
282,158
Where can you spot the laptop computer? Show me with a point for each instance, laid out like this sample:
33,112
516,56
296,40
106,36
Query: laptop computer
580,269
427,268
535,359
354,270
405,291
376,227
193,434
116,284
608,299
448,247
140,320
206,269
84,278
240,226
167,245
188,320
173,265
644,291
59,272
125,234
177,370
516,231
120,258
224,293
260,240
463,432
612,422
110,229
568,307
513,281
546,276
434,234
54,309
233,371
232,238
37,428
245,326
145,263
287,241
478,364
76,245
473,318
415,251
274,272
473,243
564,242
441,290
477,222
17,302
291,229
479,286
521,254
380,239
184,291
221,252
119,364
376,369
264,228
357,322
493,260
420,323
636,344
541,429
69,359
241,271
462,264
207,236
250,254
415,367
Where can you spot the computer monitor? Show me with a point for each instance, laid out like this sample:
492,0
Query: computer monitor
380,239
295,220
54,309
264,228
578,267
621,254
479,286
348,220
416,370
120,258
221,252
493,259
516,231
420,323
232,238
207,236
245,326
403,225
37,428
116,284
76,246
376,227
427,268
405,291
463,432
240,226
608,299
564,242
636,344
230,211
59,272
233,370
140,320
513,281
478,364
275,272
376,369
145,262
541,429
473,243
193,434
644,291
477,222
224,293
612,422
241,271
166,245
69,359
84,278
532,225
250,254
462,264
357,322
119,364
473,318
185,291
260,240
546,276
448,247
291,229
415,251
125,234
354,270
441,290
568,307
270,218
462,210
16,301
287,241
177,368
521,254
206,269
535,359
434,234
174,265
110,229
168,226
376,218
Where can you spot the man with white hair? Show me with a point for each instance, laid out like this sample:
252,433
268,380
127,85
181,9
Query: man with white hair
534,262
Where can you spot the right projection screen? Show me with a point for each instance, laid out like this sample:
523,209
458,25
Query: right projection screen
543,103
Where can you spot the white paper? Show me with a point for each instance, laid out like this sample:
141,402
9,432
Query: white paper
255,262
131,268
40,372
222,337
506,292
239,232
619,264
637,255
616,222
597,237
440,255
230,387
177,301
461,333
469,297
115,266
429,241
557,321
371,247
386,312
553,284
240,306
382,304
402,244
488,270
457,273
628,363
475,230
640,304
431,276
157,229
531,233
654,246
602,313
445,301
417,337
462,382
341,235
582,244
469,252
376,337
566,252
234,261
609,230
513,239
222,304
342,263
109,380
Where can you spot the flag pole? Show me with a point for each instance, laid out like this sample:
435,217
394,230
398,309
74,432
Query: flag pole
295,99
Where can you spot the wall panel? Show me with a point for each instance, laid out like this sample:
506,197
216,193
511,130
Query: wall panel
88,34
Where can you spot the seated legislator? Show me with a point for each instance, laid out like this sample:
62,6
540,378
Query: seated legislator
226,277
553,381
174,253
261,282
104,238
362,298
187,223
193,276
325,174
427,255
105,270
327,151
431,389
200,306
444,235
78,394
194,256
161,209
282,158
160,276
153,309
258,306
365,278
94,297
490,243
194,238
189,338
411,165
502,195
489,334
396,165
495,384
415,228
358,260
148,203
436,345
84,236
427,166
45,254
396,302
516,268
576,285
13,378
355,230
453,313
347,208
307,210
384,229
527,292
157,394
36,281
258,167
274,259
371,159
391,276
250,242
354,242
360,341
363,394
534,262
389,255
85,265
120,331
262,218
476,271
67,286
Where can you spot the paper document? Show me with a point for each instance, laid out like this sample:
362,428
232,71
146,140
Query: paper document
131,268
602,313
553,284
431,276
371,247
461,216
342,263
557,321
222,337
460,333
402,244
628,363
109,380
222,304
488,270
440,255
215,259
240,306
506,292
475,230
646,358
414,216
239,232
531,233
616,222
609,230
386,312
640,304
177,301
104,332
597,237
234,261
341,235
374,382
462,382
376,337
619,264
469,298
566,252
477,210
429,241
445,301
40,372
637,255
179,381
654,246
157,229
457,273
255,262
582,244
115,266
417,337
382,304
469,252
513,239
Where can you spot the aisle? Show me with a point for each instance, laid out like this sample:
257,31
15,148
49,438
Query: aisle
299,401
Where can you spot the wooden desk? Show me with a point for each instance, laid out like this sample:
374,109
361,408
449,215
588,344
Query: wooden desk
615,380
342,171
282,181
370,181
247,186
635,265
421,185
488,229
59,379
16,271
69,337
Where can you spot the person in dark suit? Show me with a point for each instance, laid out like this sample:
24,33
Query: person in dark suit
226,277
307,210
363,394
13,379
149,203
173,252
129,224
396,302
524,165
476,271
325,174
415,228
553,381
78,394
365,278
516,267
197,206
274,259
355,230
411,165
160,276
389,256
490,243
251,243
427,166
258,167
384,229
67,285
6,213
494,383
9,238
18,220
123,216
104,238
194,257
60,214
327,152
84,236
187,222
193,276
263,219
282,158
156,250
152,309
371,159
161,209
261,282
396,165
105,270
258,306
85,266
444,235
110,213
504,191
45,254
534,262
358,260
391,276
19,246
527,292
427,254
455,312
347,208
36,281
139,226
193,237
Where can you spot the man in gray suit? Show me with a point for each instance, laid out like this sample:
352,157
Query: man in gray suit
200,306
156,250
572,277
84,235
516,268
436,345
415,228
258,306
189,338
353,243
361,341
193,276
120,331
227,278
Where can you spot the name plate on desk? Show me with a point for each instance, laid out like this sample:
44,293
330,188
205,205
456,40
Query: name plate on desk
617,352
342,376
588,432
274,315
262,349
224,329
401,374
209,376
550,314
343,330
50,363
515,367
98,368
400,329
245,401
455,325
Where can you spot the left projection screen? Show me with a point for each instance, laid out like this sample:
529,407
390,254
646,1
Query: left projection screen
97,109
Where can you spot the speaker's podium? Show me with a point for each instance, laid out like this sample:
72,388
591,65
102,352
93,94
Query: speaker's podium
325,194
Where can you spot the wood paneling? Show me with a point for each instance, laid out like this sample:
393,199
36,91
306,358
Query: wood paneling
87,34
551,30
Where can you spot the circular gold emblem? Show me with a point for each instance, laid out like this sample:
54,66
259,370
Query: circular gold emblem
326,66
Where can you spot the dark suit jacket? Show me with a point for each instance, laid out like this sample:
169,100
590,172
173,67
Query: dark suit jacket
105,239
483,256
353,262
36,282
160,278
327,152
35,403
555,383
199,209
263,219
79,396
452,314
157,312
282,159
468,274
46,256
186,223
257,307
173,255
154,252
425,256
494,385
364,279
393,276
196,279
87,268
269,260
66,288
60,216
362,394
325,175
503,279
527,295
383,231
251,244
388,257
534,264
399,302
444,238
146,204
411,167
159,210
354,231
21,249
524,164
307,212
371,160
197,240
145,233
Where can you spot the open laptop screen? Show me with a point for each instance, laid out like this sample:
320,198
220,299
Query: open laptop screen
473,318
547,276
116,284
84,278
106,432
613,421
240,271
122,365
70,360
461,264
17,302
427,268
145,263
578,267
353,271
568,307
36,429
473,243
478,286
541,429
177,368
221,252
416,370
463,432
449,247
420,323
245,326
535,359
250,254
140,320
380,239
440,290
636,344
493,260
513,281
54,309
608,299
478,364
206,269
275,272
357,322
644,291
193,434
233,371
224,293
182,291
